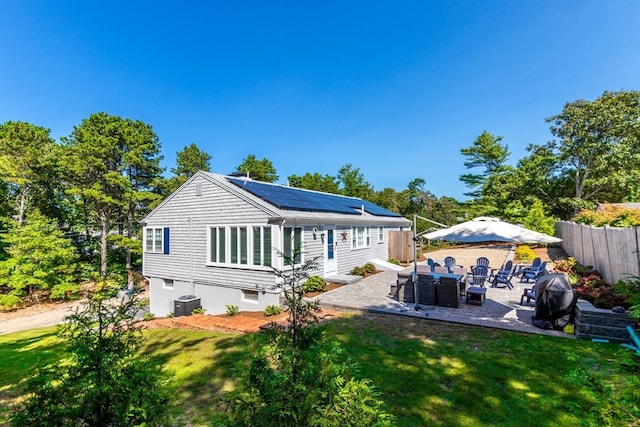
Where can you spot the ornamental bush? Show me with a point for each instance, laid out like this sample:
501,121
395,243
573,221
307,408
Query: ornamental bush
10,301
65,291
104,381
232,310
368,268
314,284
295,376
271,310
613,216
589,285
630,288
524,253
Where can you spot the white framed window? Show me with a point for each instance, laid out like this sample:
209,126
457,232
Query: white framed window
360,237
240,245
380,234
217,245
262,246
156,239
167,283
292,243
250,296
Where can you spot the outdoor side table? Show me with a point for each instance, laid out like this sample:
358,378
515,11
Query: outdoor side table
476,295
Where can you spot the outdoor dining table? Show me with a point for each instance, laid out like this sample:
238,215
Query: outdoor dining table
437,276
431,292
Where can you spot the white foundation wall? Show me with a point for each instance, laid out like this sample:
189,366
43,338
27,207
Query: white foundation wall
162,298
214,299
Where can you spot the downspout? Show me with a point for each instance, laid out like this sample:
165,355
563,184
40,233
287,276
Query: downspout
192,286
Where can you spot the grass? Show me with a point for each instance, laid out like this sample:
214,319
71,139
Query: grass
428,373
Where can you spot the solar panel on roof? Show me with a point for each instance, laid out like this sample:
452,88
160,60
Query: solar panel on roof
290,198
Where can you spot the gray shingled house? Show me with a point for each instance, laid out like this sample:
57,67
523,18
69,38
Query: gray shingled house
217,236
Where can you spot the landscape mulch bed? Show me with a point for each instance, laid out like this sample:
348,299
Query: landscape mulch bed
329,287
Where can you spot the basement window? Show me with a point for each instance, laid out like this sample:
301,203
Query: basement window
250,296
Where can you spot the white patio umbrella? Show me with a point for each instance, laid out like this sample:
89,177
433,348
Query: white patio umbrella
489,229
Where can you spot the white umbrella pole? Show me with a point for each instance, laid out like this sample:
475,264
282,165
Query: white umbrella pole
414,278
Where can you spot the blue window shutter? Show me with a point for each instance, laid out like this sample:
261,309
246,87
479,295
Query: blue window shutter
166,240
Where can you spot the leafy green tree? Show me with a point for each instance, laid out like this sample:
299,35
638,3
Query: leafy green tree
316,182
597,146
417,196
5,208
141,168
294,377
27,155
259,170
537,219
445,210
536,177
188,161
104,382
390,199
353,183
39,257
111,164
487,153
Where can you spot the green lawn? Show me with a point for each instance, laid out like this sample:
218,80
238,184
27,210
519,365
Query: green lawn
428,373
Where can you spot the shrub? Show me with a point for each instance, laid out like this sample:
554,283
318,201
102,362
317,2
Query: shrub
104,380
393,261
368,268
524,253
109,288
589,285
65,291
232,310
9,301
170,315
148,316
271,310
314,284
357,271
630,289
613,216
294,375
567,266
598,292
199,310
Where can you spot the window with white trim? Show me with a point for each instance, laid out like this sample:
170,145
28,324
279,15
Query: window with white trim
217,245
167,283
250,296
156,240
292,244
380,234
240,245
262,245
360,237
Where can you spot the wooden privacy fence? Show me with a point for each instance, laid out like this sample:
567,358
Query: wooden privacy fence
401,246
613,251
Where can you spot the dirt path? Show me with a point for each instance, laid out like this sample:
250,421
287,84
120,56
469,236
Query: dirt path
41,315
36,316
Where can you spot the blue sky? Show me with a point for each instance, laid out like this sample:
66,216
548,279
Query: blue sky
396,88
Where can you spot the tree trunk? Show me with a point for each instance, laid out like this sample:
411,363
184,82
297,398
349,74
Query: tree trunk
22,206
104,234
130,236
